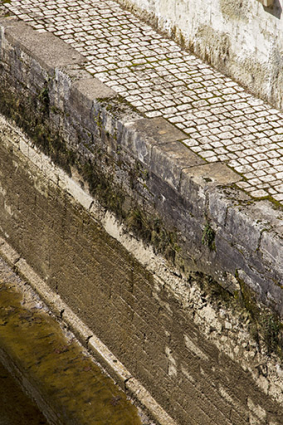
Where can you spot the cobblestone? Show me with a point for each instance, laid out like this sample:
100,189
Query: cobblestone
223,122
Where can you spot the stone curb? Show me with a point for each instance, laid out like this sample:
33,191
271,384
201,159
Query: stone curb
248,234
96,347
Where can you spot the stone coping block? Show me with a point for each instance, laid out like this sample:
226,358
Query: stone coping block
170,159
195,195
92,88
45,48
160,130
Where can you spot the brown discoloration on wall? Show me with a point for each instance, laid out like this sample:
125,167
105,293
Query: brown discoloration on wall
68,387
213,46
234,9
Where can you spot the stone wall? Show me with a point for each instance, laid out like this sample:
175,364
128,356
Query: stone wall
187,345
242,38
188,210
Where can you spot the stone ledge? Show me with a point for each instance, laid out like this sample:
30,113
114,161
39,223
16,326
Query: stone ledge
48,50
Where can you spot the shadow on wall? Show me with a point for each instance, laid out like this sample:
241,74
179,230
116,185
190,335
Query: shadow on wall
275,10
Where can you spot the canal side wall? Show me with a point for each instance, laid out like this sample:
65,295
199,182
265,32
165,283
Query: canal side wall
162,338
138,168
88,147
241,38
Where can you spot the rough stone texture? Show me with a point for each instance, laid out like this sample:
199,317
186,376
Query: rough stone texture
222,121
186,352
241,38
55,53
136,165
69,320
133,167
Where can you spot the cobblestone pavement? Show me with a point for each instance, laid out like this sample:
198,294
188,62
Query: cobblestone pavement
222,121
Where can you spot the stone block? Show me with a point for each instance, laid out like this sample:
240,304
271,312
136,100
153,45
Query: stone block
140,135
45,48
132,142
271,248
169,159
220,200
159,129
85,91
197,182
244,227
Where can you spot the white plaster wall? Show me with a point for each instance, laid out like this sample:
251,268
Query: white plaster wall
242,38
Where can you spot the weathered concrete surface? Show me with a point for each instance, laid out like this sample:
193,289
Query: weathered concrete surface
166,195
240,38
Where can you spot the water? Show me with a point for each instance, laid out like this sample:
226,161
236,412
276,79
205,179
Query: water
16,408
54,369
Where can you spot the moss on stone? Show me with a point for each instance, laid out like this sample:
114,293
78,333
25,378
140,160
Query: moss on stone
265,325
208,236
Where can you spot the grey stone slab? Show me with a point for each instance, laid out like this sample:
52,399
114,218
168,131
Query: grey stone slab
218,206
168,202
141,135
252,283
168,160
92,88
226,258
159,129
244,227
215,174
198,181
268,214
83,94
271,248
48,50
